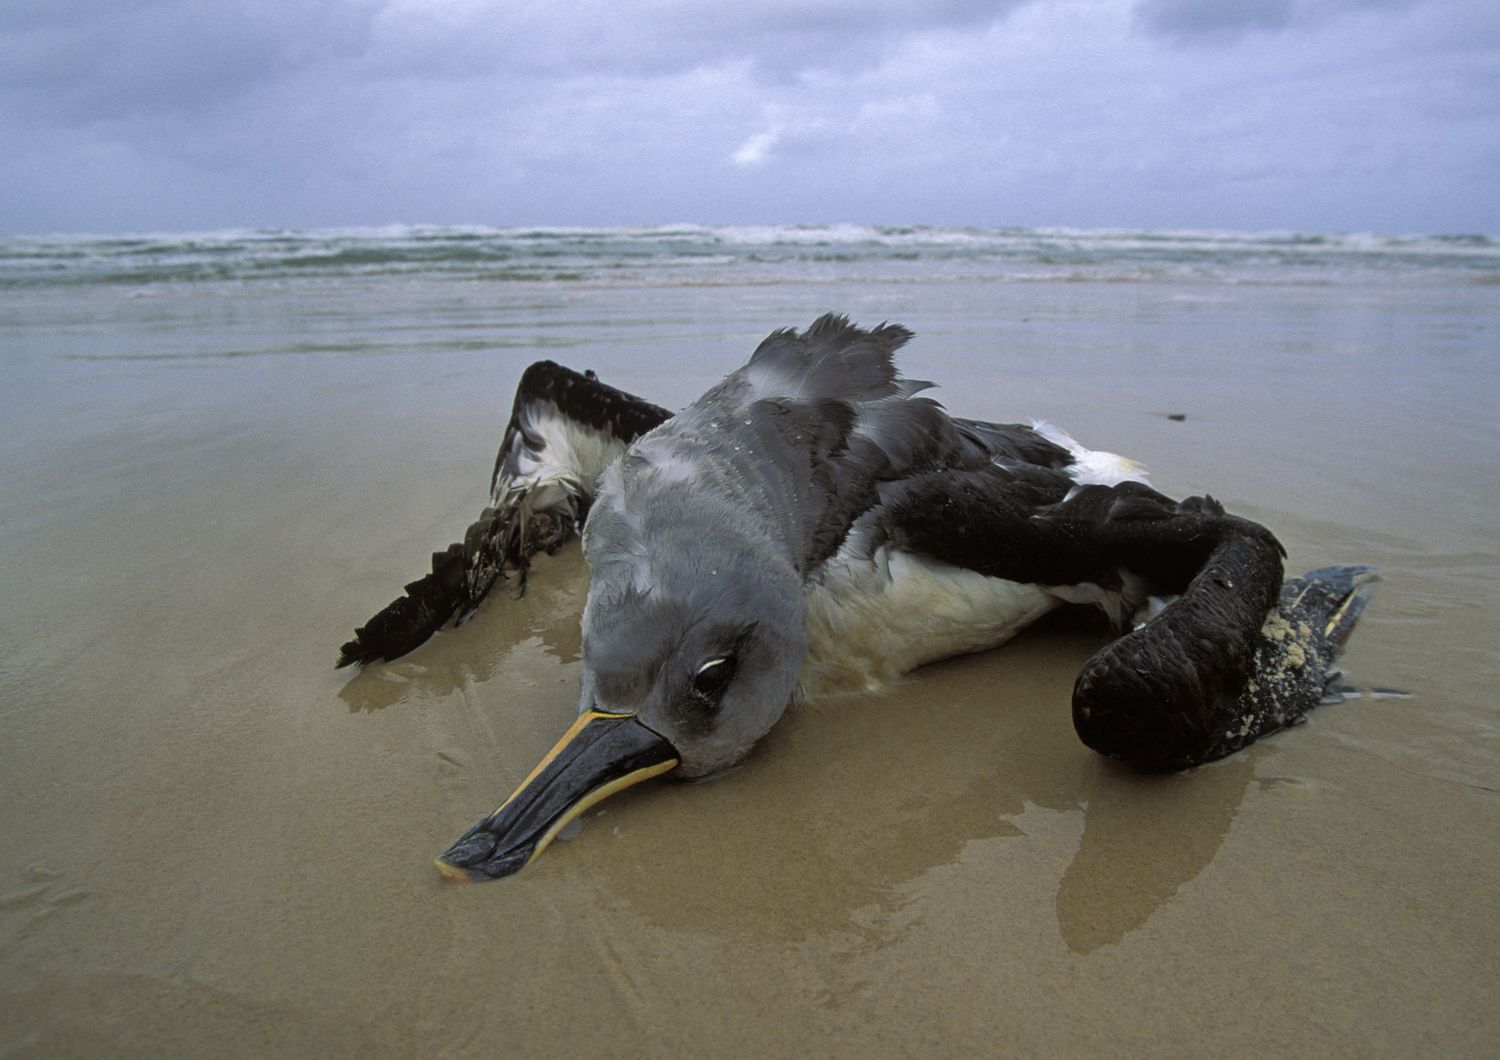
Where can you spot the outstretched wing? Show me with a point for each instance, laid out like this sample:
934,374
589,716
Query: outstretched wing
1231,658
565,429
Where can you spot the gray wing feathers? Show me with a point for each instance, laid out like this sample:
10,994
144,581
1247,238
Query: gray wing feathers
793,446
831,359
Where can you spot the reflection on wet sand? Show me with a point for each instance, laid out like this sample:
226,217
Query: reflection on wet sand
480,649
843,798
1143,838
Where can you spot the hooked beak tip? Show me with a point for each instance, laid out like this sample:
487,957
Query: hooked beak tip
601,754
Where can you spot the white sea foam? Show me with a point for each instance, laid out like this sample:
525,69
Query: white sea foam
693,254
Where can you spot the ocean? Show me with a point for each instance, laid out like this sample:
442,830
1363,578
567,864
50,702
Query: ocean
675,255
222,451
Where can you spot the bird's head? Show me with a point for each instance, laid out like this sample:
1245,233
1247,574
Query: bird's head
690,655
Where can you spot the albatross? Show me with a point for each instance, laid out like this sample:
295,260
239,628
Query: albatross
813,524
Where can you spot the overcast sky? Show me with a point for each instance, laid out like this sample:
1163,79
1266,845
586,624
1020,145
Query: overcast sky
1363,115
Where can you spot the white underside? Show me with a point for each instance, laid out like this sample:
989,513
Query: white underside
872,620
568,462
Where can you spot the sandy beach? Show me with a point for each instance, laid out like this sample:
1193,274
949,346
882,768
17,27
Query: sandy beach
214,844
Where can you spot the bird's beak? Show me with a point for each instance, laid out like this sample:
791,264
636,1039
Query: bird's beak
600,755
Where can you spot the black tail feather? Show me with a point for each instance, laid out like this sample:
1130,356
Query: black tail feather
1330,599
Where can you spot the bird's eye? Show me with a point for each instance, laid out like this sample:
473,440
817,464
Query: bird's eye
713,677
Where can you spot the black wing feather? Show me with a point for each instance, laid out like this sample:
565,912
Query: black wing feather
540,492
1232,658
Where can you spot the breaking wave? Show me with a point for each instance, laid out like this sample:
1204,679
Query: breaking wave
689,253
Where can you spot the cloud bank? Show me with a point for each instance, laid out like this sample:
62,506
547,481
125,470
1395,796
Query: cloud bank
172,114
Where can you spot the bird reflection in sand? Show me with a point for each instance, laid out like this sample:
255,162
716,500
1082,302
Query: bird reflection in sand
1144,837
465,657
842,822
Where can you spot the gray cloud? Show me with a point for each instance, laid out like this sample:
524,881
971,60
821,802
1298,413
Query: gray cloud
1224,20
174,114
99,61
103,58
778,38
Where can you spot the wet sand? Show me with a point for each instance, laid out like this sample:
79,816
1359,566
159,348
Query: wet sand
215,844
